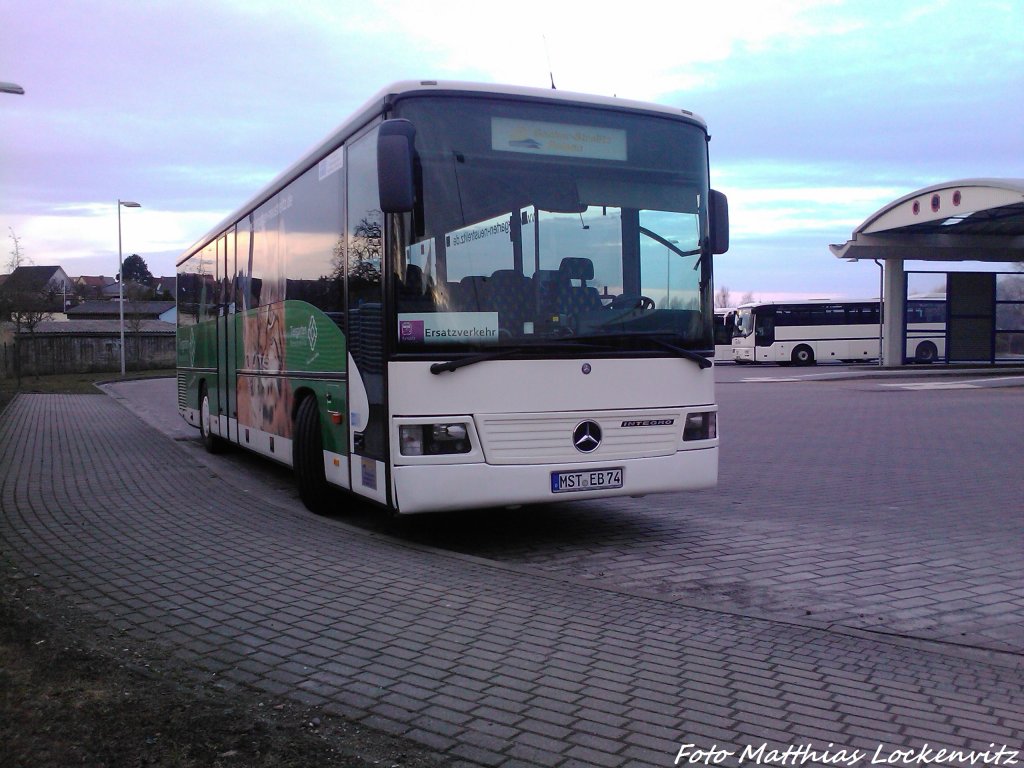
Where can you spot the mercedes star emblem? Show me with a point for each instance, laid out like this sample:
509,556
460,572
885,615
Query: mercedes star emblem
587,436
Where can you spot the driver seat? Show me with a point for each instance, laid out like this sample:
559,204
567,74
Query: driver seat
573,298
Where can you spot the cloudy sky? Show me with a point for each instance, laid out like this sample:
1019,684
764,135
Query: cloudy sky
821,111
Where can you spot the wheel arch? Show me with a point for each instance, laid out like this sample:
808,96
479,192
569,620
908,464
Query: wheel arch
926,352
301,393
795,355
203,385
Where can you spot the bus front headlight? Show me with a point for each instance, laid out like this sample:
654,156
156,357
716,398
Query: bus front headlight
701,426
433,439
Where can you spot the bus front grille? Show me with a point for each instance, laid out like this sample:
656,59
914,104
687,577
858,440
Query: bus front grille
541,438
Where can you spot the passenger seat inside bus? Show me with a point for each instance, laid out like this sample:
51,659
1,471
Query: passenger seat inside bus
510,293
473,294
576,299
412,293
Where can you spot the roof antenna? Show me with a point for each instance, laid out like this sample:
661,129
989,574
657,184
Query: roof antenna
547,53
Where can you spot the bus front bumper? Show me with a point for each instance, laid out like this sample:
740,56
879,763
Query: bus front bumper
743,354
447,487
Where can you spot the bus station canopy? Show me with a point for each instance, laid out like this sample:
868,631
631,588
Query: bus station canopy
969,220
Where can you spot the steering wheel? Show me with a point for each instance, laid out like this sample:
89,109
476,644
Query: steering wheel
632,301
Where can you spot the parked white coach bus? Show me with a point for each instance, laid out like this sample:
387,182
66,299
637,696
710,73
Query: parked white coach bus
468,296
806,332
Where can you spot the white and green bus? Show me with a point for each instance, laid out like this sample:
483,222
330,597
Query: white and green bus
468,296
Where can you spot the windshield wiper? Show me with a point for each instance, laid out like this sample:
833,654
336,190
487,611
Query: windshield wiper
577,342
687,354
462,362
483,357
608,340
700,360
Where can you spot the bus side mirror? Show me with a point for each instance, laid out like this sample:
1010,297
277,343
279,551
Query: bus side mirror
395,173
718,220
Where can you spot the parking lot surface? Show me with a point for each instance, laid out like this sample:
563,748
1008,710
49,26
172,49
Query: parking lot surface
857,580
888,504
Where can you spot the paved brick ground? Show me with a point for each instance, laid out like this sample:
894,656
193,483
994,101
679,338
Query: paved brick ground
486,664
848,504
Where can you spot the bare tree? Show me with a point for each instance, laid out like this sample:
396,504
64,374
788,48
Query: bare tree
723,297
24,305
134,295
18,257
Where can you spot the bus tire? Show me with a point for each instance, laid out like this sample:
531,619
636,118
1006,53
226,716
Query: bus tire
926,352
803,355
210,441
308,457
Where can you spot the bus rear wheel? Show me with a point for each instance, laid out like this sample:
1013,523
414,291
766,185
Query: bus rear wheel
210,441
803,355
926,352
308,458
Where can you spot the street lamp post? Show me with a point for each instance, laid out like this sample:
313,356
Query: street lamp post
120,271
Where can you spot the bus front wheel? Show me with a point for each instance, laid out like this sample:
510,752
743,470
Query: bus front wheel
926,352
803,355
308,457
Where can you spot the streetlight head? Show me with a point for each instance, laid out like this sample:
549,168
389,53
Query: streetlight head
129,204
12,88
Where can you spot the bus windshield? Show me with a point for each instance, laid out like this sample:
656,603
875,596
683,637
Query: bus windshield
744,322
539,221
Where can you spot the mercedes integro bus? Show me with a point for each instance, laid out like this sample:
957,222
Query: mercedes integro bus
468,296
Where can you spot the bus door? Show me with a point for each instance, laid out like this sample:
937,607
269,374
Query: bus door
367,403
764,327
218,399
226,334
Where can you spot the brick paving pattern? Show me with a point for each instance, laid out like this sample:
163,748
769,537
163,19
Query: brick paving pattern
485,663
840,504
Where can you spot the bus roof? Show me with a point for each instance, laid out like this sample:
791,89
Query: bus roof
813,302
409,87
805,302
394,92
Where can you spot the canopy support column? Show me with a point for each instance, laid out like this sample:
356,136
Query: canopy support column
895,299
